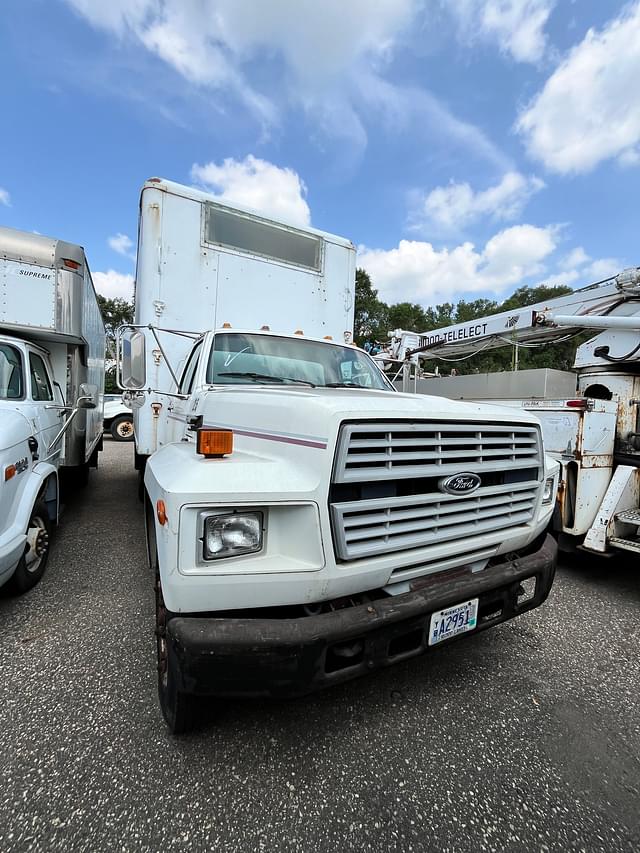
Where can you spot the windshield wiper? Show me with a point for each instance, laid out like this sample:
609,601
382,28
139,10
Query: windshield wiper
344,385
259,376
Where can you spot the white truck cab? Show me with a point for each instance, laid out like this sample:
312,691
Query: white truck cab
51,372
306,522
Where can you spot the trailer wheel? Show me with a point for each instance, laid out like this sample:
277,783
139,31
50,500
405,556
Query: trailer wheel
176,706
122,428
33,562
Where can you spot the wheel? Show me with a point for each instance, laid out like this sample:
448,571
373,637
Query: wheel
176,706
122,428
33,562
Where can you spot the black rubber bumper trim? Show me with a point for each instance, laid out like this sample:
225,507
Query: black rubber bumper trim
289,657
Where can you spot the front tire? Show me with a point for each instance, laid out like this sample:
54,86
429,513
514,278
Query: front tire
176,706
121,428
33,562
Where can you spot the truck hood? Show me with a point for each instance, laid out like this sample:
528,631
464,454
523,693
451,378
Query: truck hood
312,415
14,428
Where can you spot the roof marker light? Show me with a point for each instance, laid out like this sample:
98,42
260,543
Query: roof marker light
226,325
328,338
72,265
265,329
298,332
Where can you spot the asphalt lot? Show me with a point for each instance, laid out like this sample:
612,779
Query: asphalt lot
524,738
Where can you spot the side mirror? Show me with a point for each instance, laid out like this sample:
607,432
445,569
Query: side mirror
134,369
133,399
88,398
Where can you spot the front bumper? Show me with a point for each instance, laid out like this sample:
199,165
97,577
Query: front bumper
291,657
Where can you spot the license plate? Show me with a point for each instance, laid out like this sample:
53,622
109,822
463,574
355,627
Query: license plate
452,621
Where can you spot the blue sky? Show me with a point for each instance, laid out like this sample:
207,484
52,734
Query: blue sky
466,146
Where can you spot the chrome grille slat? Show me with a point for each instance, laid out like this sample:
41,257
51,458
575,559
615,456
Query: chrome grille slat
391,529
377,453
433,442
352,522
488,494
420,539
401,455
408,471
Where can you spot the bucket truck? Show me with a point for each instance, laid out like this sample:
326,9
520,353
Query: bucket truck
590,419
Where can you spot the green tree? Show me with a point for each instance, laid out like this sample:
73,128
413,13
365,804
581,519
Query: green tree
115,313
524,296
371,315
466,311
437,316
407,316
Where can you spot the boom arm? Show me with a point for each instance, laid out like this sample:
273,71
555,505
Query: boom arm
612,304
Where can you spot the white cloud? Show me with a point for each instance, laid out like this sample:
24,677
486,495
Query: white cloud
417,272
455,206
630,157
576,258
411,110
604,268
577,268
257,184
327,59
122,244
209,42
115,15
516,25
589,109
5,198
114,284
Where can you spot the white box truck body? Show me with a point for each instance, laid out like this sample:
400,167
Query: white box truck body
52,349
306,522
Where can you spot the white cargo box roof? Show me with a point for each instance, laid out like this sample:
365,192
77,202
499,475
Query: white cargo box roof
204,197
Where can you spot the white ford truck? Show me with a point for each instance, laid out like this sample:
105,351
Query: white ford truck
307,523
52,346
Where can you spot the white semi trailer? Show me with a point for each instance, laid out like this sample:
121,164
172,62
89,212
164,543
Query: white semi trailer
52,350
307,524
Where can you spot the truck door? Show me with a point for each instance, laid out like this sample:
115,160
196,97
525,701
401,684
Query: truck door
179,410
46,413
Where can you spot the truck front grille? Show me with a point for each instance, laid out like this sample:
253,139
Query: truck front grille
385,494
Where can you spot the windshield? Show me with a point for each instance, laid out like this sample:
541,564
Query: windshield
265,359
10,373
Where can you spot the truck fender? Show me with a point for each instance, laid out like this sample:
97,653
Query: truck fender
43,481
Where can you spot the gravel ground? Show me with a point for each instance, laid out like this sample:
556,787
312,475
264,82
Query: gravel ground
524,738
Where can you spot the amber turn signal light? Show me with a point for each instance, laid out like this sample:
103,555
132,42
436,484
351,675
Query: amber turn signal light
9,472
161,512
214,442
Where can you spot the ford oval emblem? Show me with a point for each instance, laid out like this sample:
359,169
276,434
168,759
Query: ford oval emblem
459,484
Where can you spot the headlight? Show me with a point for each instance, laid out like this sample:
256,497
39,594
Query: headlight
231,535
547,493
